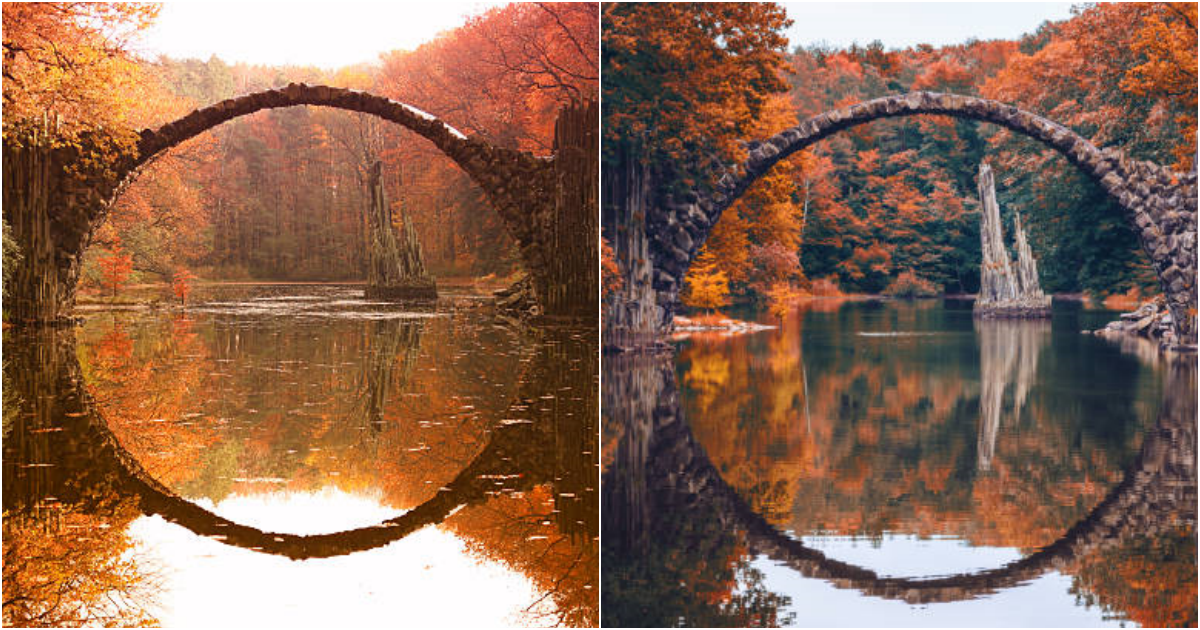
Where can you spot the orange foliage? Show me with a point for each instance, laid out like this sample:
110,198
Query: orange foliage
72,58
519,530
181,284
116,267
707,286
612,280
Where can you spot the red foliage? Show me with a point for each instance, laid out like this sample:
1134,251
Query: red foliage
181,284
115,267
773,265
611,280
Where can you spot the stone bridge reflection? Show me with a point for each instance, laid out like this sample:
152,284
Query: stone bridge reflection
660,472
58,445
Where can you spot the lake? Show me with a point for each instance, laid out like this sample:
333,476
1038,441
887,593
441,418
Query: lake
298,456
893,463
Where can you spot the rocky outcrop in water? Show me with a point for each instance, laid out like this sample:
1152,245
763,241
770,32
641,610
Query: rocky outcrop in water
396,268
1006,289
1152,320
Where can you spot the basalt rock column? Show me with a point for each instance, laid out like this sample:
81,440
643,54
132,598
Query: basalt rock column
53,192
640,314
1027,273
1003,290
396,269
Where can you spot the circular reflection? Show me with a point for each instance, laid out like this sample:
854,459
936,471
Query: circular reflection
246,406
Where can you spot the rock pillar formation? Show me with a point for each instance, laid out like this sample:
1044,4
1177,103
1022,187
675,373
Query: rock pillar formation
396,268
53,193
1003,290
640,314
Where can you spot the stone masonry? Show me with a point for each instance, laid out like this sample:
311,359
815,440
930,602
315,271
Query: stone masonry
1159,203
524,189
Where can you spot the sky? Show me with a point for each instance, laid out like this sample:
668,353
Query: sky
905,24
423,575
325,34
331,35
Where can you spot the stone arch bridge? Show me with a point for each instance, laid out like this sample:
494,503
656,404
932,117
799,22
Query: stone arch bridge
663,235
665,478
55,199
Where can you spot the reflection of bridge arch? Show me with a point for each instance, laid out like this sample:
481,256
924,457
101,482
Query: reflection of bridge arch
522,452
1160,204
672,465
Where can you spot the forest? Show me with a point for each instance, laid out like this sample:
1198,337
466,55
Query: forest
282,194
210,400
892,207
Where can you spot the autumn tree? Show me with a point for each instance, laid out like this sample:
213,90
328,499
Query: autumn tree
72,58
684,82
707,287
181,284
115,267
1099,74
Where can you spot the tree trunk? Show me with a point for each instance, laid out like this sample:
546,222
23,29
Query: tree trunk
396,269
1003,291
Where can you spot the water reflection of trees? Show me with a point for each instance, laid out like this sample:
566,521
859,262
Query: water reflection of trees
75,569
354,404
536,466
925,434
68,560
668,560
670,518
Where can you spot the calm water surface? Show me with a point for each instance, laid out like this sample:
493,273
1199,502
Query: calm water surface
300,457
899,464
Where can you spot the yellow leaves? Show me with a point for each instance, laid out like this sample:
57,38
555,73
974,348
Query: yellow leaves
78,573
71,58
699,74
707,288
708,375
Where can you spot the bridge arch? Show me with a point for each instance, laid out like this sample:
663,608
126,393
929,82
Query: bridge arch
1160,204
481,161
545,203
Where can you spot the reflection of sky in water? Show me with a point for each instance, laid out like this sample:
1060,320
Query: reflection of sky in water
1044,602
327,511
426,579
911,556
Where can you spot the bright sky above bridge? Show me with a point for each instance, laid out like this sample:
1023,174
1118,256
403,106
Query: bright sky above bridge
906,24
324,34
335,34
